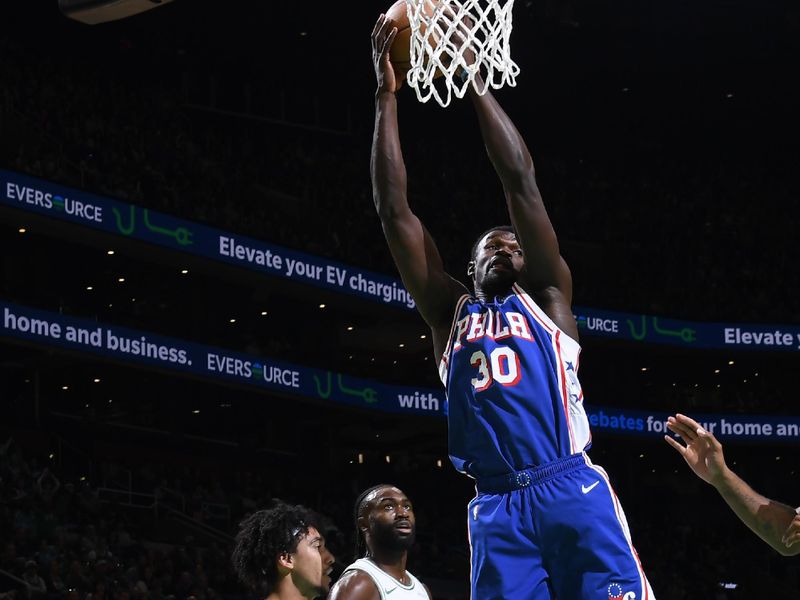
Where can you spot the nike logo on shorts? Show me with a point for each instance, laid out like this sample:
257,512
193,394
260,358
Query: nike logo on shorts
588,488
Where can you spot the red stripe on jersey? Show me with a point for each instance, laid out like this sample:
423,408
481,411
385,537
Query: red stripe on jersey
445,360
624,523
532,309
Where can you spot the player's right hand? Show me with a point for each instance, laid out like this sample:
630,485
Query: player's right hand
702,452
382,38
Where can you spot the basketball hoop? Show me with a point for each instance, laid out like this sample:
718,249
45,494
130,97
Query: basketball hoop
444,35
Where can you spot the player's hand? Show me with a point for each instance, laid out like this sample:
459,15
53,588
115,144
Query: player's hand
792,535
382,39
702,451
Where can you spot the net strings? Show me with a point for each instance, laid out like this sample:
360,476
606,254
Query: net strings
444,35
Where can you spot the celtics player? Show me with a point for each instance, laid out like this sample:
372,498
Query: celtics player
545,522
280,554
385,530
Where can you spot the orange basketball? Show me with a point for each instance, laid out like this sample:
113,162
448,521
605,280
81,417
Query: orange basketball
400,52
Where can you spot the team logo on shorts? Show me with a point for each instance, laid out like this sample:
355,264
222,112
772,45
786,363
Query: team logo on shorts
615,592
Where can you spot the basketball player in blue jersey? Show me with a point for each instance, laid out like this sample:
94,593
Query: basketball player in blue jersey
545,522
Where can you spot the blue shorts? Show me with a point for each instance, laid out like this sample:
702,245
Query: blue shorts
556,531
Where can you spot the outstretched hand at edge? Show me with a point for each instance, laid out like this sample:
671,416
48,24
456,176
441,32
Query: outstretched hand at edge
702,451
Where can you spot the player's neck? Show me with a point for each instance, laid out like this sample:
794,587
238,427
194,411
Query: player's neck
393,563
489,294
286,590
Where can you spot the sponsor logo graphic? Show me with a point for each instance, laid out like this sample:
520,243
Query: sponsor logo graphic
588,488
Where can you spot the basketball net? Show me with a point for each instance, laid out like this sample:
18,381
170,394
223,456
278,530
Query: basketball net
444,36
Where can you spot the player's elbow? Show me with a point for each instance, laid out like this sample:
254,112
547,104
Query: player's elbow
387,212
391,208
514,166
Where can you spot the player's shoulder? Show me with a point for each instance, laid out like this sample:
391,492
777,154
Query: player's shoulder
450,300
355,584
553,303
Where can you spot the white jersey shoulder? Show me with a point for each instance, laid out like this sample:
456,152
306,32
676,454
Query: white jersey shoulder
388,587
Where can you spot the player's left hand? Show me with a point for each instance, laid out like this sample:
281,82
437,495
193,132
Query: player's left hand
382,37
792,534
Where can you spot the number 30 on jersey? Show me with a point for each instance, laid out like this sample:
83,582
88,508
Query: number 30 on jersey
501,366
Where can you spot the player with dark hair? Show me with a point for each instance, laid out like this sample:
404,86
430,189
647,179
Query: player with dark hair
281,555
385,530
546,521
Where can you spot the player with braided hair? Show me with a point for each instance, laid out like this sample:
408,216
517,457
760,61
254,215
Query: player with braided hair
385,530
281,555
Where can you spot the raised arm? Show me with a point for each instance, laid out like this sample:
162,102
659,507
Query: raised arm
772,521
410,243
547,275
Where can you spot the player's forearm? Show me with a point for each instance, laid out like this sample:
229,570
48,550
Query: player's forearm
766,518
387,167
506,148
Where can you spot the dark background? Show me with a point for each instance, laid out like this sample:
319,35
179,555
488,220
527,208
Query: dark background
665,140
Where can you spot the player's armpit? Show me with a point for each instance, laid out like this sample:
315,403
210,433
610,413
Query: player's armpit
421,268
554,300
558,306
354,585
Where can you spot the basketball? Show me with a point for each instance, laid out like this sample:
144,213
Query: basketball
400,52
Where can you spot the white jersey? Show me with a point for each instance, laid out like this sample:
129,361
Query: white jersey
388,587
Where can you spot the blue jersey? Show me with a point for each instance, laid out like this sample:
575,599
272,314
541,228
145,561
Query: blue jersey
514,399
